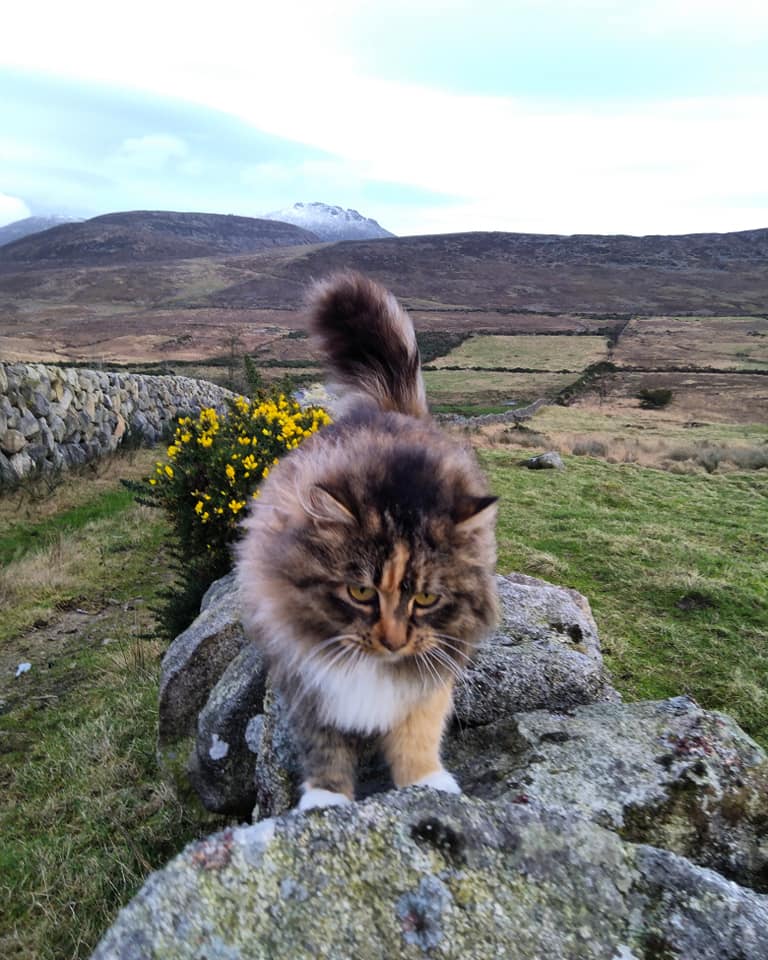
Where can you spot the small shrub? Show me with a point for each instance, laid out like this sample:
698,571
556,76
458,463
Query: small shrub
749,458
589,448
654,398
709,458
213,469
523,437
679,454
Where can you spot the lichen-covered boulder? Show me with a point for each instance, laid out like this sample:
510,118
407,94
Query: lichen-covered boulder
222,765
417,874
666,772
544,655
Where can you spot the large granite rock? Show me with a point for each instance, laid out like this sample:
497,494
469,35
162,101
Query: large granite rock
416,874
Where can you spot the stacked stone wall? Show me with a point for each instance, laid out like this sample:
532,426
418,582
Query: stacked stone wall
53,418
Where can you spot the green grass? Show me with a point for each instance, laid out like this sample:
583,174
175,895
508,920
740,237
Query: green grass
490,388
26,537
84,812
531,351
675,568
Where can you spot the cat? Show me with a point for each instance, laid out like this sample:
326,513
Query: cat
366,566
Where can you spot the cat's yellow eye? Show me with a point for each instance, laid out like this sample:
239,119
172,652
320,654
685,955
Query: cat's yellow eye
425,599
361,594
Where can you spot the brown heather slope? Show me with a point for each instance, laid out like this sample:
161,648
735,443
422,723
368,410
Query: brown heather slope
144,235
699,273
707,274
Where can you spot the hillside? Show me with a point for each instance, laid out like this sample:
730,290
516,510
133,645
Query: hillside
143,235
22,228
708,273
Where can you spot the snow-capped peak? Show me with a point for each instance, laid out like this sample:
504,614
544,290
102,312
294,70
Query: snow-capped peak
330,222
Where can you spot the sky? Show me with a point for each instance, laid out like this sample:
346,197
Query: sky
543,116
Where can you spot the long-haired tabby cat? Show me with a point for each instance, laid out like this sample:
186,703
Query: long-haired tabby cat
366,566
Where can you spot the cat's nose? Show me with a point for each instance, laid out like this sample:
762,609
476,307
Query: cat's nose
393,636
392,643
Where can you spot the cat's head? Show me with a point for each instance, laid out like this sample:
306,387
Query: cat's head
390,558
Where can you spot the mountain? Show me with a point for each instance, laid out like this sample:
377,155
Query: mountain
23,228
709,273
147,235
331,223
454,278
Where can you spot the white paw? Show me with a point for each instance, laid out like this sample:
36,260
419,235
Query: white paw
440,780
317,797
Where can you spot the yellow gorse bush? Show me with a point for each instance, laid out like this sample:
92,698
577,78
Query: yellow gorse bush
215,464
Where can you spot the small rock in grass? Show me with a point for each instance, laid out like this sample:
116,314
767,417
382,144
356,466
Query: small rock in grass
545,461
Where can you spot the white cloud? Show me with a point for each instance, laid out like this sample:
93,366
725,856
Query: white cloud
287,70
153,151
11,209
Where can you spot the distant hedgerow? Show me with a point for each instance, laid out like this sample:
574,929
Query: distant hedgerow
654,398
213,469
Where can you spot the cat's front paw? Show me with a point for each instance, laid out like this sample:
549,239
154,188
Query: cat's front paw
440,780
316,797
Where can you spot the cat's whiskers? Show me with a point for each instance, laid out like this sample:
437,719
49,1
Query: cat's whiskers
425,659
458,647
442,658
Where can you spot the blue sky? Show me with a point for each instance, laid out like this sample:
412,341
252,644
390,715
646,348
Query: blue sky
532,115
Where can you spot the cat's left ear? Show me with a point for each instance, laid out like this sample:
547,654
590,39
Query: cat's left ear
328,505
470,512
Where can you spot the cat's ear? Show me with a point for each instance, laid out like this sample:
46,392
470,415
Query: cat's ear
326,504
470,512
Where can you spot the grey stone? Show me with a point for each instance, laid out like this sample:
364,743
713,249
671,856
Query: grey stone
38,452
545,654
193,665
277,772
219,588
28,424
8,476
416,873
666,773
21,464
39,403
223,763
551,460
13,441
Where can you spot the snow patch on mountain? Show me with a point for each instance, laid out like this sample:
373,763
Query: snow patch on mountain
331,222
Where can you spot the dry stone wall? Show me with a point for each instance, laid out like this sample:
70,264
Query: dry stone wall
57,417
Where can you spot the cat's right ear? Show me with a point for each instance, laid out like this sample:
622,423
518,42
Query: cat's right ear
327,505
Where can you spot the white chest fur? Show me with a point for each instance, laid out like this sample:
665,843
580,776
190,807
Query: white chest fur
364,699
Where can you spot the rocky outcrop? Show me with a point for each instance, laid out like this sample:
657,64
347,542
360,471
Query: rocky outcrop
58,417
588,828
416,874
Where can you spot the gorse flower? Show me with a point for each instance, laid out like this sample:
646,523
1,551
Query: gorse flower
215,464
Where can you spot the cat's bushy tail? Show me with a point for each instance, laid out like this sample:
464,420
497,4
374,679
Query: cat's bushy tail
369,342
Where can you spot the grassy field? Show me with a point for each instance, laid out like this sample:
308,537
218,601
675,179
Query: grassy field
528,352
84,814
675,567
470,388
726,343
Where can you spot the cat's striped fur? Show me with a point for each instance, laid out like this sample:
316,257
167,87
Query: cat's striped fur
366,566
